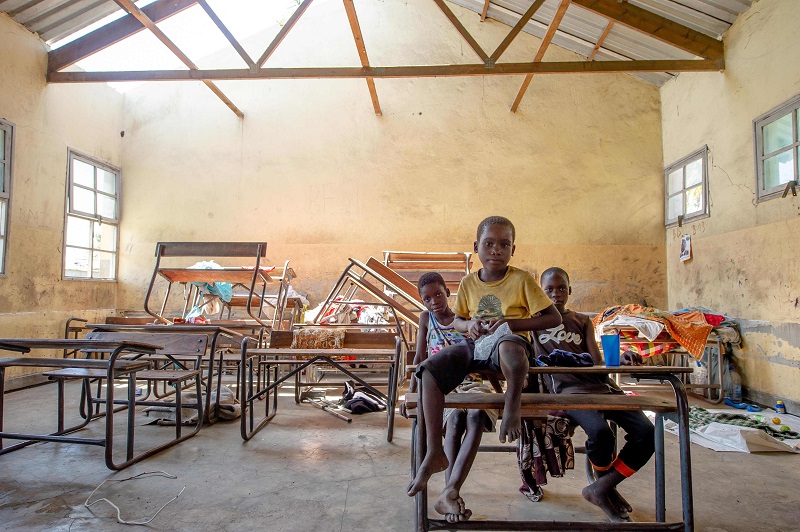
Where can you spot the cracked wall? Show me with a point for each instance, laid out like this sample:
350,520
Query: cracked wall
49,119
745,256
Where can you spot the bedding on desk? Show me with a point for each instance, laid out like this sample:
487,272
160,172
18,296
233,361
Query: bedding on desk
689,327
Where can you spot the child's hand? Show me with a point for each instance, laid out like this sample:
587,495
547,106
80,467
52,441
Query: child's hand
494,325
476,329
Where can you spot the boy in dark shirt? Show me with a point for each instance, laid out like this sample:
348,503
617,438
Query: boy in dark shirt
576,335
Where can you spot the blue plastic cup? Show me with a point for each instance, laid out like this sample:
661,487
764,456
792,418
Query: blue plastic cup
610,349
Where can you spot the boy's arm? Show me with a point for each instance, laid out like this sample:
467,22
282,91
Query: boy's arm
474,328
546,319
422,346
422,337
590,344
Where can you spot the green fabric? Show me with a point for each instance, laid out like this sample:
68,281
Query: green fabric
700,417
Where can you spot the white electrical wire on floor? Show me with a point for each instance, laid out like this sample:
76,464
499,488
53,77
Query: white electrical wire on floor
140,475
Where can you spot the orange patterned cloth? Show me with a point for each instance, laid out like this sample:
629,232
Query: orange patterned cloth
690,329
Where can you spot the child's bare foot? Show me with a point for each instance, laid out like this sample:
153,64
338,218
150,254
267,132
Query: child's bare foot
433,463
511,426
449,503
601,499
623,507
459,518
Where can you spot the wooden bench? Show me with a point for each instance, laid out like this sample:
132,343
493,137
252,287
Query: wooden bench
452,266
538,405
259,375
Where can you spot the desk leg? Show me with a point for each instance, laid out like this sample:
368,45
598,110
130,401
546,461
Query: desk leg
419,448
60,405
131,413
685,443
210,381
2,397
661,511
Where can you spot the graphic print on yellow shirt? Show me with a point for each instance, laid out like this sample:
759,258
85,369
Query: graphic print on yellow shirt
515,296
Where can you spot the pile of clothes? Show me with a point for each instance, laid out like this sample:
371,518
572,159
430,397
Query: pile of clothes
360,399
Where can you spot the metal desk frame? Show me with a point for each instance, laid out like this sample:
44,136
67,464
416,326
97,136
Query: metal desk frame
671,374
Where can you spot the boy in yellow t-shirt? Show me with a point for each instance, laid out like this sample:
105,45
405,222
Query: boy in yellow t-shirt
500,299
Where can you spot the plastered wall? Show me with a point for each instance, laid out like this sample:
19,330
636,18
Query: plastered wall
312,170
745,256
34,301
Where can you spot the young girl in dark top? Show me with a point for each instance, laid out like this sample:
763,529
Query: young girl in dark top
576,335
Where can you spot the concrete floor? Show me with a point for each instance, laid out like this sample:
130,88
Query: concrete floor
310,471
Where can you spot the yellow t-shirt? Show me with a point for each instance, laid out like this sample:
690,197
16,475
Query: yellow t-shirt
515,296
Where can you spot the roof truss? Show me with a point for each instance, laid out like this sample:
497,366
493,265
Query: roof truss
708,49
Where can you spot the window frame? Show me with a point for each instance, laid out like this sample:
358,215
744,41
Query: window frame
69,211
792,108
701,155
7,180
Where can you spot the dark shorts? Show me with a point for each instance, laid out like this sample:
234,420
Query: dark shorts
453,363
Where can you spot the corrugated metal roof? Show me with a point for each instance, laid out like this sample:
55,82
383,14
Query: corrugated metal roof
579,31
53,20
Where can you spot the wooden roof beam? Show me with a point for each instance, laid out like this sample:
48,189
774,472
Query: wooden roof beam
600,41
111,33
131,8
283,32
228,35
546,40
656,26
355,27
515,31
462,30
397,72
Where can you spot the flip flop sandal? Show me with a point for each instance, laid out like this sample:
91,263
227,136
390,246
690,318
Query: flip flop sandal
754,408
734,404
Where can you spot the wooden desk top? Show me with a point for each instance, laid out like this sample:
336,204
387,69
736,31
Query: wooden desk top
536,402
201,328
224,275
79,363
624,370
24,345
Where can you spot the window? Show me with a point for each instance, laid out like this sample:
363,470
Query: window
6,152
92,224
776,141
686,183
